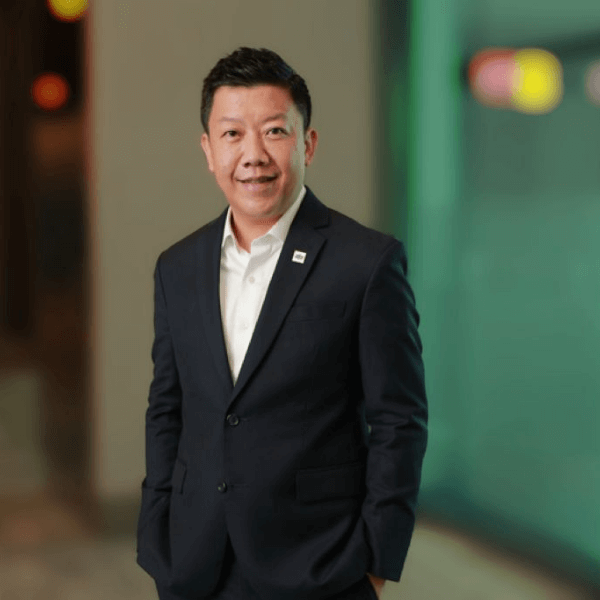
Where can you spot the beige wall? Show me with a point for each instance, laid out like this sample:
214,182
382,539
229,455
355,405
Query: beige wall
150,184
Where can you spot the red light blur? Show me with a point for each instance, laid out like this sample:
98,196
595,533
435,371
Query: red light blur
50,91
491,76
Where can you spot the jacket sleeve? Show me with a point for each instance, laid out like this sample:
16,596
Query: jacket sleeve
163,416
395,409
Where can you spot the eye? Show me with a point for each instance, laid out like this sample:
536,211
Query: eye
277,130
231,133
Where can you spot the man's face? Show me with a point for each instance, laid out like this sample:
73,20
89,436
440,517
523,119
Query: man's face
257,151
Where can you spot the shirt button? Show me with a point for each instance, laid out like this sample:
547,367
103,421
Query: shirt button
222,487
233,420
243,326
251,279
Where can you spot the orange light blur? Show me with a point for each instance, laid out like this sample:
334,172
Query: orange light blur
50,91
67,10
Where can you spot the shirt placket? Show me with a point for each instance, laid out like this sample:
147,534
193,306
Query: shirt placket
247,303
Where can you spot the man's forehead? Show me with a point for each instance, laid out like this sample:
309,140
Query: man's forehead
255,87
275,117
270,98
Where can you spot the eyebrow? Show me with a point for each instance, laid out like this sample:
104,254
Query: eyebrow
272,118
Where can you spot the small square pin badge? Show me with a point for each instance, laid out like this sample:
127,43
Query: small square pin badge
298,256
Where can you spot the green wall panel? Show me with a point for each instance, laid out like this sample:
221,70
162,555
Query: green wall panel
502,221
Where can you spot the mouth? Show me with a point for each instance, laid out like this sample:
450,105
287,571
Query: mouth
258,180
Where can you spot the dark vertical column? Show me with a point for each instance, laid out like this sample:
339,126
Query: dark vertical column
18,36
391,77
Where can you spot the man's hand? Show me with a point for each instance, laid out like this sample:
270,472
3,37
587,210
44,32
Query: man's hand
377,583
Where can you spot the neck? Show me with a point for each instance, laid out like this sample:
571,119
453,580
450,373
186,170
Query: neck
245,233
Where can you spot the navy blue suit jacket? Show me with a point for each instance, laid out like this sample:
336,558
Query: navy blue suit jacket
283,462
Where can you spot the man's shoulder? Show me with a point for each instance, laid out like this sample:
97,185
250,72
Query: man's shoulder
187,246
363,240
343,229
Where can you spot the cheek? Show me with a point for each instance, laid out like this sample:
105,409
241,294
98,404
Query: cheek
293,159
297,161
224,166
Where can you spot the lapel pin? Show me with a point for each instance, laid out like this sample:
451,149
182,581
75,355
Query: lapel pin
298,256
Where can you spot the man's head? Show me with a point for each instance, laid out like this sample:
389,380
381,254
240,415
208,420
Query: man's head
257,140
247,67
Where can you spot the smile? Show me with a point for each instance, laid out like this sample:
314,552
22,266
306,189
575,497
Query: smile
264,179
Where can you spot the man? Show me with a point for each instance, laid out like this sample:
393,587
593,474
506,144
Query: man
287,415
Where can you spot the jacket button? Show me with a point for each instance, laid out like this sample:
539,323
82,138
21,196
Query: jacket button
233,420
222,487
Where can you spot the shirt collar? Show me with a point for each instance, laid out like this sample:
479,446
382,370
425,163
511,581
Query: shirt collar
279,230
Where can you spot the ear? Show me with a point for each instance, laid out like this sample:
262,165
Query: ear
310,145
205,143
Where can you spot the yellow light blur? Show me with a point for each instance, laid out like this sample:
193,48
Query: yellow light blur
68,10
537,81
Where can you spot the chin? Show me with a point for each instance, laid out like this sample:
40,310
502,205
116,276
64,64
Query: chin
261,197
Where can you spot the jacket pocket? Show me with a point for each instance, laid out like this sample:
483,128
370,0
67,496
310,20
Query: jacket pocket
313,311
338,481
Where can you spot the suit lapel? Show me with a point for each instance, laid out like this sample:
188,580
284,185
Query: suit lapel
287,280
208,264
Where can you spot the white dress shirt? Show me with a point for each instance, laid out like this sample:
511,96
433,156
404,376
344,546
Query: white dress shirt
244,279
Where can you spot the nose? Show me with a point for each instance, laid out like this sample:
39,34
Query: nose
254,151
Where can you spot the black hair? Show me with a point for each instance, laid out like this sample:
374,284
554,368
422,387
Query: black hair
248,67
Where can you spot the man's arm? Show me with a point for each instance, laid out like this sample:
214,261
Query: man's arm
163,416
395,408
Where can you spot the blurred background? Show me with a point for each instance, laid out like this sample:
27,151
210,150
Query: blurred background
470,129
